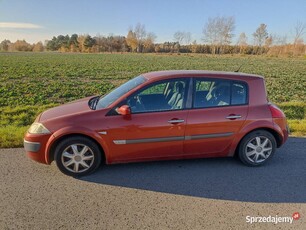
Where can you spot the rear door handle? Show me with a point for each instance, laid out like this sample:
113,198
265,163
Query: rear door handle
233,117
175,121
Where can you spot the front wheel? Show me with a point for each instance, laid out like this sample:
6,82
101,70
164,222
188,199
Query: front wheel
77,156
257,148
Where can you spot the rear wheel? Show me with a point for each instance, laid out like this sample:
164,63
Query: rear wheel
257,148
77,156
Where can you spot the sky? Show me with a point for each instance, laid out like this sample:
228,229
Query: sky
35,20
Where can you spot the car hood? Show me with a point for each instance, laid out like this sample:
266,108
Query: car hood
71,108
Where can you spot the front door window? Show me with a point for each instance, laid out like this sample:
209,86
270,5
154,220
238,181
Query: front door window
161,96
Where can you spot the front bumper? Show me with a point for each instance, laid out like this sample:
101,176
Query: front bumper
31,146
35,146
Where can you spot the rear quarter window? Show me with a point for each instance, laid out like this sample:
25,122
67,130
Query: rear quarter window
239,93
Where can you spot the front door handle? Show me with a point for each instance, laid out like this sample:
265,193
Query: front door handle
175,121
233,116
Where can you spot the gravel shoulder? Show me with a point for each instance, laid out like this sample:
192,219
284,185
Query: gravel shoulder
191,194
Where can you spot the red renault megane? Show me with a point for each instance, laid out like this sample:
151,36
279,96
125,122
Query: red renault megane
161,115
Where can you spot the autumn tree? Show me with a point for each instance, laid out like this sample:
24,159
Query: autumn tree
22,45
148,43
194,46
38,47
218,32
52,44
88,43
135,37
60,42
131,40
4,45
73,43
138,38
63,42
81,39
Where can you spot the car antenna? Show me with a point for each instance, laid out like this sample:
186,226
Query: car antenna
236,71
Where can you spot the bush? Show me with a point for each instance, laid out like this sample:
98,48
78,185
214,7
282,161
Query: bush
293,110
12,136
21,115
297,127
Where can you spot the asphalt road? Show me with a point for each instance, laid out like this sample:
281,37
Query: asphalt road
189,194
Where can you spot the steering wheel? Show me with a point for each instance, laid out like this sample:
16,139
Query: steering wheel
138,100
139,104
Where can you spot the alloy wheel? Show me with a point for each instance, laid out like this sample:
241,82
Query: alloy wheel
77,158
258,149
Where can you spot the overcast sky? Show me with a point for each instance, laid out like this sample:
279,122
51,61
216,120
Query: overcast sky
35,20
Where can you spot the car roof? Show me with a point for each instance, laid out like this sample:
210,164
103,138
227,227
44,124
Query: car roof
193,73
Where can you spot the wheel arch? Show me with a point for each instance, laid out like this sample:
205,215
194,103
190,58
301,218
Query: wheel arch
276,135
50,153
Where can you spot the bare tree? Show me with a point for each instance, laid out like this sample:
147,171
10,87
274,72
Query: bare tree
140,34
242,42
279,40
269,41
260,35
182,37
279,43
218,32
179,36
298,42
299,30
187,38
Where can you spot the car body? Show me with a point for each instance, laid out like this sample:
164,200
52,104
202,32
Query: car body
158,116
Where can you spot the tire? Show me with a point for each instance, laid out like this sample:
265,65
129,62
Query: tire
257,148
77,156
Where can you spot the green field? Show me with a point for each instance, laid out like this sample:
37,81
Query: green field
31,82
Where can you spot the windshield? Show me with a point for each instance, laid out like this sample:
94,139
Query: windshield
108,99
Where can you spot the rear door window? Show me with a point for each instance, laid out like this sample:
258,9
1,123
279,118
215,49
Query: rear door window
218,93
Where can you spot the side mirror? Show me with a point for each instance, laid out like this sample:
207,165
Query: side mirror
124,110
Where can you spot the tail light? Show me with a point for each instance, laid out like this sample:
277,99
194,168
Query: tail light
276,112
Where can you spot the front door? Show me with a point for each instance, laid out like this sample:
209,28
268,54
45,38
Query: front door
156,127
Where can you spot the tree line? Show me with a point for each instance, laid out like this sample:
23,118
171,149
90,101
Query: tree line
218,34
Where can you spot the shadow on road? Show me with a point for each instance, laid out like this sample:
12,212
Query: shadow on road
283,179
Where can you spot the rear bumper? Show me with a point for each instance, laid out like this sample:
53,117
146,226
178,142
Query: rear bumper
280,124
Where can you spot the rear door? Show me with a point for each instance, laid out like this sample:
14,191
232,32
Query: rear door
219,110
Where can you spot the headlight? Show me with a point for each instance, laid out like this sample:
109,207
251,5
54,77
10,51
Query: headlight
38,128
